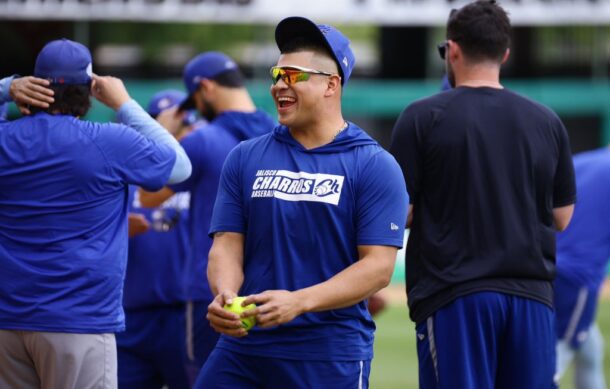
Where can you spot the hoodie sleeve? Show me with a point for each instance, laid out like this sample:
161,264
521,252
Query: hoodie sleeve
381,202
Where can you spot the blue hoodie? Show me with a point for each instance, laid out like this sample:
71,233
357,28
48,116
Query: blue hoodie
304,213
207,147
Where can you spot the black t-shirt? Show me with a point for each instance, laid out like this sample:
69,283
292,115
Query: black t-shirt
484,168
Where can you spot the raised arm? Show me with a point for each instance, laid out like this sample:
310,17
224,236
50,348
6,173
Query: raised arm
25,92
111,92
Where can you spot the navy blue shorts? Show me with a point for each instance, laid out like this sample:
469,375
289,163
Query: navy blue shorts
225,369
575,308
152,350
200,337
487,340
164,345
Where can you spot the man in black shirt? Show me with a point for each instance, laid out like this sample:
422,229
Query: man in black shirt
490,178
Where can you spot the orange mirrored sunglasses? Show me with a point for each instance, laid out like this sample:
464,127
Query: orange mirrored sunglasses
293,74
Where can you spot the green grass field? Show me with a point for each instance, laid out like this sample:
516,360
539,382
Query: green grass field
395,363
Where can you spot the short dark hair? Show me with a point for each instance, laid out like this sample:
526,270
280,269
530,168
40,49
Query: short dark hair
481,29
303,44
74,100
233,78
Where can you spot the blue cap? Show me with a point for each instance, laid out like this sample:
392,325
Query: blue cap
166,99
337,43
64,62
163,100
204,66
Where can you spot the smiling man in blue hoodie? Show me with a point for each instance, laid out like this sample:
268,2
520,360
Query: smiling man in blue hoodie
307,223
216,89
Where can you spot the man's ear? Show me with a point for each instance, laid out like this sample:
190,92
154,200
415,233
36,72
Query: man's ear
207,85
506,55
454,51
333,86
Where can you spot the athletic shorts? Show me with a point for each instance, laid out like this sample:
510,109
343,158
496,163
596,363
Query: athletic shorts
164,345
226,369
487,340
575,308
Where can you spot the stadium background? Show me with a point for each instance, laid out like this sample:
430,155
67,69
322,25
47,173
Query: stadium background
560,57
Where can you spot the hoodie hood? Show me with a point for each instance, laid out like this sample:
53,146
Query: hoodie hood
245,125
352,136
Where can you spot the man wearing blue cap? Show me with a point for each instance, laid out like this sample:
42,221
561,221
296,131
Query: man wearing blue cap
306,224
216,89
152,349
63,217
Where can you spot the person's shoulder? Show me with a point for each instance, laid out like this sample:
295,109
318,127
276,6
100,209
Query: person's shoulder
598,157
525,103
437,100
110,134
368,148
255,143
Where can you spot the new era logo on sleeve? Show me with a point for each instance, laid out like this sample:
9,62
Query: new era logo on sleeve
394,227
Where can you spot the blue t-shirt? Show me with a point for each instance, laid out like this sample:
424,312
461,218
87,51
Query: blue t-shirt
207,148
63,219
155,268
304,213
583,249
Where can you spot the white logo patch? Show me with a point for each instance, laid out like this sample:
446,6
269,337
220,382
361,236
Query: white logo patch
393,227
421,336
298,186
345,61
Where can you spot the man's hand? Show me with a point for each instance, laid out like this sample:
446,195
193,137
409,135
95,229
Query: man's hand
109,91
223,321
171,119
137,224
274,307
31,91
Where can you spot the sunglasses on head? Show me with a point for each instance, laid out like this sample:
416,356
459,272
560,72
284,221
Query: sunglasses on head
442,49
293,74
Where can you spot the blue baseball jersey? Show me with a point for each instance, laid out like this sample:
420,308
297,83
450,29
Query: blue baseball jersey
63,219
157,258
207,148
583,249
304,213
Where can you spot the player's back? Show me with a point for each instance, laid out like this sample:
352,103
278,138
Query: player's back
488,171
62,217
